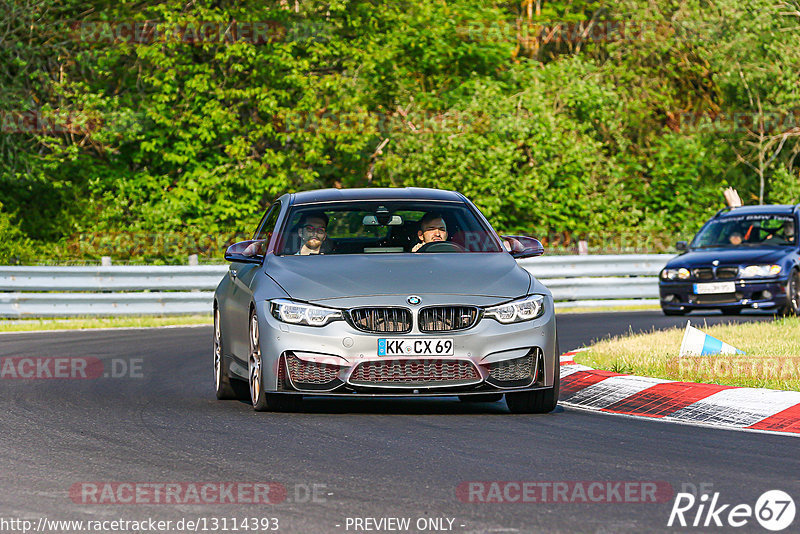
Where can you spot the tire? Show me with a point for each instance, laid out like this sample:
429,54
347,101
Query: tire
674,312
541,401
260,399
792,306
486,397
255,375
222,381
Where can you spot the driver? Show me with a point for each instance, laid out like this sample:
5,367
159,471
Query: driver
432,228
313,231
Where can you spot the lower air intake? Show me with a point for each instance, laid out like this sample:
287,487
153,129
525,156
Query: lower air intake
415,373
312,376
518,372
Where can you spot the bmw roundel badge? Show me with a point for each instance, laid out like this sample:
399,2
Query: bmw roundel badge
414,300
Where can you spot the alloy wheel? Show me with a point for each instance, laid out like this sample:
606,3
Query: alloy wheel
254,364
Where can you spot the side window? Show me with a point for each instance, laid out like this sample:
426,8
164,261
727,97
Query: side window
267,225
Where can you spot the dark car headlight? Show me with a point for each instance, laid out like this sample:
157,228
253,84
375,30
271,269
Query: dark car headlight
292,312
517,311
759,271
673,274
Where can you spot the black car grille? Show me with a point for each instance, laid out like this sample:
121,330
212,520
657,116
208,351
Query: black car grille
447,318
381,320
514,373
413,373
727,273
703,273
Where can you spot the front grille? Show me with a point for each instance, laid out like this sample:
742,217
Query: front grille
514,373
727,273
447,318
413,373
720,298
381,320
703,274
312,375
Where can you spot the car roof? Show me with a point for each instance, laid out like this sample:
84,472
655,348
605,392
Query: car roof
786,209
375,193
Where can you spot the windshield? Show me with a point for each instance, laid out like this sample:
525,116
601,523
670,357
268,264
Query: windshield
376,227
747,230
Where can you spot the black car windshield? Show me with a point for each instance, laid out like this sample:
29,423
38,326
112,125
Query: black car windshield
764,229
374,227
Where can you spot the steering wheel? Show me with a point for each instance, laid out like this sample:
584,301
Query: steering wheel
441,246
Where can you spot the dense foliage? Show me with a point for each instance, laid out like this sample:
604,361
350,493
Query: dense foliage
153,130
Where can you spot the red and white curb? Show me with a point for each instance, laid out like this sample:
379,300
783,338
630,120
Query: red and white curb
761,410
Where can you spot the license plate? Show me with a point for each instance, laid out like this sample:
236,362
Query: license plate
415,347
715,287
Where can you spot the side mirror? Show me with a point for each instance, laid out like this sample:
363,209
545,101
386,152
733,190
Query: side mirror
251,251
522,247
683,246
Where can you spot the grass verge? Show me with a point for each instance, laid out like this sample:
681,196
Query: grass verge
79,323
771,359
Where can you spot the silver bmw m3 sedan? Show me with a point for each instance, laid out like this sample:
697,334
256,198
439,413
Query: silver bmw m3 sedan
383,292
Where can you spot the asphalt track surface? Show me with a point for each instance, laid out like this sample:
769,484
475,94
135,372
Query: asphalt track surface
369,458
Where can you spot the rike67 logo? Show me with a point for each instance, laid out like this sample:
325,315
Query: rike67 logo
774,510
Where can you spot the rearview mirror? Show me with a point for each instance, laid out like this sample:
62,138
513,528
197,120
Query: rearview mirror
372,220
682,246
251,251
520,246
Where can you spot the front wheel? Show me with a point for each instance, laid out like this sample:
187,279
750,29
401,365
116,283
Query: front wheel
540,401
222,381
261,400
792,306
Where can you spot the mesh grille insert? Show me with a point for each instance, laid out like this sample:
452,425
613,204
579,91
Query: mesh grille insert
514,373
426,372
308,375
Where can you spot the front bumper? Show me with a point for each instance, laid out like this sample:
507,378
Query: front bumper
337,359
754,294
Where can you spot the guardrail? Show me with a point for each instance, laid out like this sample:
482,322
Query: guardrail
175,290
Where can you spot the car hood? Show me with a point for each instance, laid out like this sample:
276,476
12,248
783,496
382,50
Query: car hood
328,277
729,256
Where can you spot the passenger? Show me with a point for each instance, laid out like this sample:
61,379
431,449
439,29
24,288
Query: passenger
432,228
313,232
735,238
786,235
788,231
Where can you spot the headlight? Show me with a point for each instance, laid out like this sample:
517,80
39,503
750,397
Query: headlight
671,274
759,271
305,314
517,311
